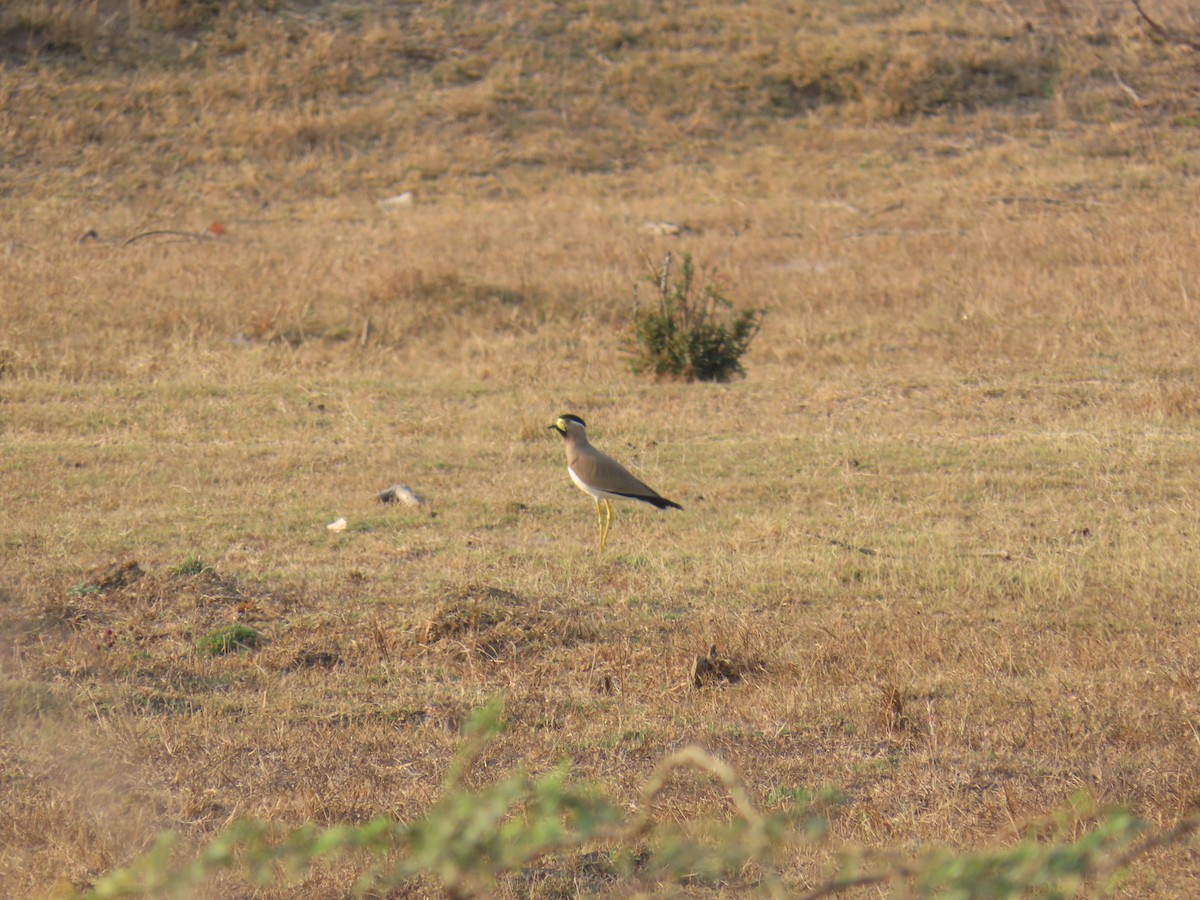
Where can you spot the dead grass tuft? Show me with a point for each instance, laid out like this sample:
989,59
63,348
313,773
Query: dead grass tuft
921,79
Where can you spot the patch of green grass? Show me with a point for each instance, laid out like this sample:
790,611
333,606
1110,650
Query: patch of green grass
229,639
191,565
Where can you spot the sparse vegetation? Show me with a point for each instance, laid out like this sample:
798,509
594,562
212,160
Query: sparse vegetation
692,331
938,547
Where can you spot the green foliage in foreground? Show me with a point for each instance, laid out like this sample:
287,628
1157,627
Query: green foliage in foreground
692,332
473,838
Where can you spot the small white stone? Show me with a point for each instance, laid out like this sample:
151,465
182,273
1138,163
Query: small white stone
405,199
667,229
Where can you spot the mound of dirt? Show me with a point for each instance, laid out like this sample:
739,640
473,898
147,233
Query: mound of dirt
494,623
124,601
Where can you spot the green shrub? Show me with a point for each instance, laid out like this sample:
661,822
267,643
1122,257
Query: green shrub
227,639
692,332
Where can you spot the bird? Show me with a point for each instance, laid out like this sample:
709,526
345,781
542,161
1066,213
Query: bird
600,476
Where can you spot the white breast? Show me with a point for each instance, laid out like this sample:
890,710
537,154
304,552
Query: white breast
595,494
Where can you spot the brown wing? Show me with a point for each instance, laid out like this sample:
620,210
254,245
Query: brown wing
602,472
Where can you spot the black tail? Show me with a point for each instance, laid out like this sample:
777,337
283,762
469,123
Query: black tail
660,502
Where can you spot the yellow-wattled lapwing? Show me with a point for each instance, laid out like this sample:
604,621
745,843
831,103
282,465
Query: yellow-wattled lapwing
600,476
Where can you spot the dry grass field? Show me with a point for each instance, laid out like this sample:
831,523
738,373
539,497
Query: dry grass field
974,230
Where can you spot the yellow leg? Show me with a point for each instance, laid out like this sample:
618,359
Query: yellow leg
600,524
607,524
